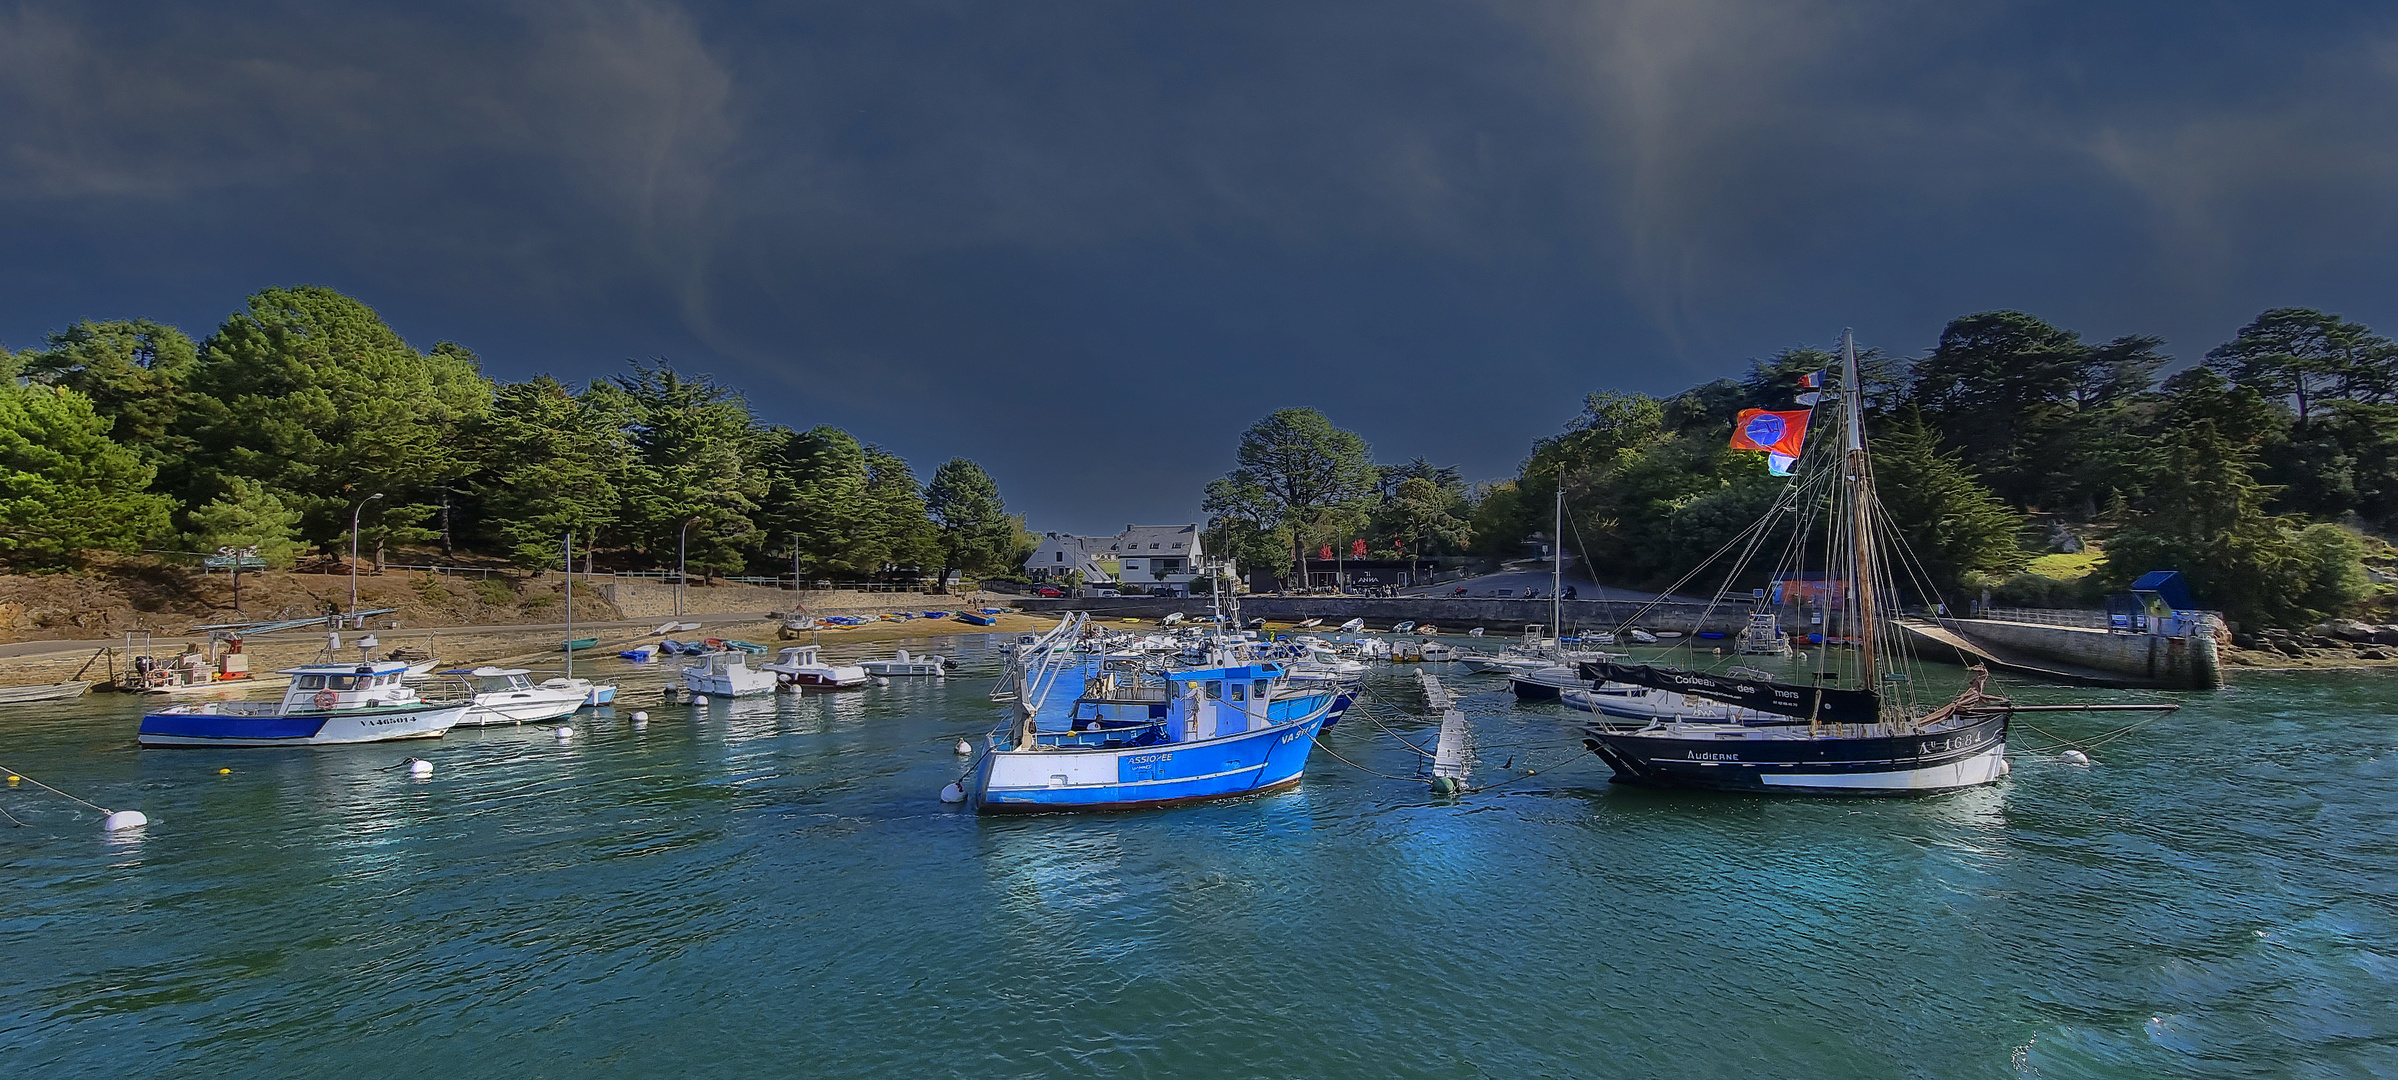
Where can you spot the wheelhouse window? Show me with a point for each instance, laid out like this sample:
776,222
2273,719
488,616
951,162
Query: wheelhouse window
311,682
1215,689
1237,689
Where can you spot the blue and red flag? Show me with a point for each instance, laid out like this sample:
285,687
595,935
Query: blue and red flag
1812,380
1773,432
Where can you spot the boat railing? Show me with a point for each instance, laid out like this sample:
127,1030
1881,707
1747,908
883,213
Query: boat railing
1041,663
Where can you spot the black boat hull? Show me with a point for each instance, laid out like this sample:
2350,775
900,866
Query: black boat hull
1964,755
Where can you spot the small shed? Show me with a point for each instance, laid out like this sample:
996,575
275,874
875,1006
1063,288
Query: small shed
2163,592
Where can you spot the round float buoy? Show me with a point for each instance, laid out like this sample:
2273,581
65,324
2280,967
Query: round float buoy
122,820
953,793
2074,757
882,680
12,779
419,767
1443,785
640,717
699,699
965,748
565,733
219,772
641,725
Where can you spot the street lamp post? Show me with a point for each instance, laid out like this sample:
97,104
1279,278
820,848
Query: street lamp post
682,547
354,512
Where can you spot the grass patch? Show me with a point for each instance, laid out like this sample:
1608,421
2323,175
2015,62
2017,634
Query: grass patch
2065,567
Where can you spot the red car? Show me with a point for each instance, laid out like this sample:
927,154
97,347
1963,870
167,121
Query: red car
1049,590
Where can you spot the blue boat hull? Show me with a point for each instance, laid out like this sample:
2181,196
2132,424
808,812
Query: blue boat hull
1253,763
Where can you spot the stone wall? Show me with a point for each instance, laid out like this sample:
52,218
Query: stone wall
1498,617
2190,661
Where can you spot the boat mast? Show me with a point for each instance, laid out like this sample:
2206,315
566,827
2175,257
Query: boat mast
1860,502
1557,565
570,603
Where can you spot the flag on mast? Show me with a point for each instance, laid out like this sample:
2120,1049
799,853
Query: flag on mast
1780,464
1773,432
1812,380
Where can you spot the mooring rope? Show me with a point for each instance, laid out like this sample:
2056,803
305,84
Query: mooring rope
54,791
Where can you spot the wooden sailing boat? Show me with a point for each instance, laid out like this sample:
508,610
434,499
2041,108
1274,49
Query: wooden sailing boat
1830,736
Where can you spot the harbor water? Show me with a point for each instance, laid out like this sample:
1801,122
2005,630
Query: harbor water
770,887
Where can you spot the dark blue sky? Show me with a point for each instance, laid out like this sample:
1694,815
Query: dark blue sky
1087,243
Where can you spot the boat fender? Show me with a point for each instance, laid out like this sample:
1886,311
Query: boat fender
953,794
965,748
121,820
2074,757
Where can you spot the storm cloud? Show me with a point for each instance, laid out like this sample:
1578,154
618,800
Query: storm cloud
1086,243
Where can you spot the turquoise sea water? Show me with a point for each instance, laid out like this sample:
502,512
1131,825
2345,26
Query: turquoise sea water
771,888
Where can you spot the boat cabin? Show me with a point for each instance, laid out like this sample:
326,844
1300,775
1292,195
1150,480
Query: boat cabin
1119,708
347,686
493,680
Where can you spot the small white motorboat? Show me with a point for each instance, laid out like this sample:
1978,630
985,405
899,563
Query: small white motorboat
799,665
27,695
1642,636
508,696
594,694
728,674
908,665
1352,626
326,704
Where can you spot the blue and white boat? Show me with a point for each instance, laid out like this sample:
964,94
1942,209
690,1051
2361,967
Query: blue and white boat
325,705
1136,737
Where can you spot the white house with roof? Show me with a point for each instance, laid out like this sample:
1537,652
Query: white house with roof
1145,555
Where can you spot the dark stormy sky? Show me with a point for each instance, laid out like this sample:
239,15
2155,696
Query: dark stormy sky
1086,243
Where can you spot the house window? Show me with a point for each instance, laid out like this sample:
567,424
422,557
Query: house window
1178,545
1057,556
1153,547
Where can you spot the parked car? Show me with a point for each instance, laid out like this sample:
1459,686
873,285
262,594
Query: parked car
1049,590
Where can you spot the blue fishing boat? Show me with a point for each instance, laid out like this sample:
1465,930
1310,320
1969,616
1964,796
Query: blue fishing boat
1135,738
975,619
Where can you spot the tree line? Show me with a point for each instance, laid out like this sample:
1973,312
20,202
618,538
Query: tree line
304,411
2257,472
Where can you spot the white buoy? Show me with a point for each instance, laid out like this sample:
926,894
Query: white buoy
640,718
641,725
122,820
419,767
953,793
699,699
964,748
565,733
882,680
2074,757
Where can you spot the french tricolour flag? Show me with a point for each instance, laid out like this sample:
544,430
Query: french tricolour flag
1812,380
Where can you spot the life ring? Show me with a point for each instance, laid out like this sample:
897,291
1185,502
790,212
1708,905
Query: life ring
325,699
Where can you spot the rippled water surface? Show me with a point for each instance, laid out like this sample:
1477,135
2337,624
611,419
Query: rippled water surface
771,888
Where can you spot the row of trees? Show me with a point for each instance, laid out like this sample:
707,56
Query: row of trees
1302,482
305,408
2252,472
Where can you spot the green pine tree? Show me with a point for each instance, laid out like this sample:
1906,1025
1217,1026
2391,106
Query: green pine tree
66,488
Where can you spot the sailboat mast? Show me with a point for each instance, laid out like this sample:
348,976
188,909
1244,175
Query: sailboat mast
1557,564
1860,501
570,604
